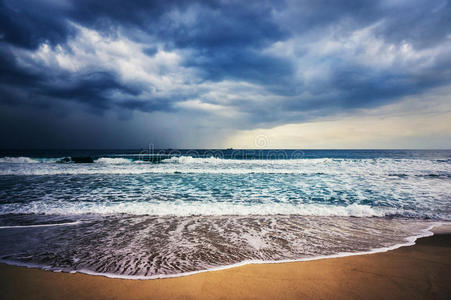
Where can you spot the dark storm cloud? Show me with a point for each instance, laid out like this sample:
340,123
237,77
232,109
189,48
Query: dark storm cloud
225,50
422,23
11,74
242,64
28,86
29,23
224,40
93,88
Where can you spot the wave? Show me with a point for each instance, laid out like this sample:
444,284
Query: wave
219,160
408,241
212,160
158,159
18,160
157,256
180,208
202,160
31,160
118,166
111,160
65,160
135,170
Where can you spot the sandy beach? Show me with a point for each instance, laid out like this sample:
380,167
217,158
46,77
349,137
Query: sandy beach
422,271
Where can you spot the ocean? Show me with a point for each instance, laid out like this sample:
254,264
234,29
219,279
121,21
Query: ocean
149,213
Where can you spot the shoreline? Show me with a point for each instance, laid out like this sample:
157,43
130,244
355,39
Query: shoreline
420,271
409,241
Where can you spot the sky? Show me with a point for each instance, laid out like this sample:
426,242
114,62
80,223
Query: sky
218,74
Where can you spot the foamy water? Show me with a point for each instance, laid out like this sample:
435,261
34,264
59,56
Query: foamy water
126,216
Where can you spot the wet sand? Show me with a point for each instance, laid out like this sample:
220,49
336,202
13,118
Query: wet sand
422,271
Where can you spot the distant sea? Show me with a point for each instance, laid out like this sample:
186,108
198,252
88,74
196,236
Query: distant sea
158,213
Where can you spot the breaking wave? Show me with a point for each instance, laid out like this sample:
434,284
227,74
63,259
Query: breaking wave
180,208
110,160
18,160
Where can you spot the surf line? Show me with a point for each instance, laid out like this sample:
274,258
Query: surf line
41,225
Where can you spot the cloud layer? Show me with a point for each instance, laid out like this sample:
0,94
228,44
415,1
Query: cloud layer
167,69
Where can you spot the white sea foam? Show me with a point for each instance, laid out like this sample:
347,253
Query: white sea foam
180,208
200,160
129,269
18,160
187,164
342,187
408,241
218,160
111,160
